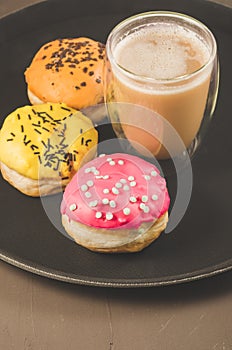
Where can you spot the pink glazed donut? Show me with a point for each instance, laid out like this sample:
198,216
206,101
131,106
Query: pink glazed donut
116,203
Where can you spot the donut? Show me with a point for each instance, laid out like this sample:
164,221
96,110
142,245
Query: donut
115,203
42,147
68,71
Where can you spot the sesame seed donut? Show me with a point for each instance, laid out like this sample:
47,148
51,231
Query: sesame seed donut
42,147
115,203
69,71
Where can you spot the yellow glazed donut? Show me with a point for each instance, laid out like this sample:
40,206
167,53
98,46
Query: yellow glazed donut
42,146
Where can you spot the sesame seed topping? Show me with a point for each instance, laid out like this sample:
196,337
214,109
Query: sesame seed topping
133,183
93,203
115,190
90,183
123,181
126,188
154,197
147,177
142,206
109,216
112,162
131,178
126,211
112,204
87,194
101,155
118,185
87,170
146,209
105,201
133,199
120,162
105,177
98,215
144,199
106,191
84,188
73,207
153,173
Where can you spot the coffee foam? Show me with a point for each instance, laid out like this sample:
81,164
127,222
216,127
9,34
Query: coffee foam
162,51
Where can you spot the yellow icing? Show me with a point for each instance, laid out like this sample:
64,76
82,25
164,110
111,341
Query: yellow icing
36,141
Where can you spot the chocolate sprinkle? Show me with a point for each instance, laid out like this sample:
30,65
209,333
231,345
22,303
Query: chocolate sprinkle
38,131
87,141
83,83
65,109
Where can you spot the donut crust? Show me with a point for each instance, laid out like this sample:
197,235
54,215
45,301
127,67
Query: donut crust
95,239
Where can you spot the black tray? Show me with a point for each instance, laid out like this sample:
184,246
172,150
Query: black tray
201,245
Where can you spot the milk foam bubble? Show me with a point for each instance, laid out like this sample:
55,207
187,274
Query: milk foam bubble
161,51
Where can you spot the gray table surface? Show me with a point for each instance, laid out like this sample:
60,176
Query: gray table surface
41,314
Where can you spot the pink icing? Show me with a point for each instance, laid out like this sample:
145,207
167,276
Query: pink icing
134,193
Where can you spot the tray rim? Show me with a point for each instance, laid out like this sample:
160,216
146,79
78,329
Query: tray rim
50,273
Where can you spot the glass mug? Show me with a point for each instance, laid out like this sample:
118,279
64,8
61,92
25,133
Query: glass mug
166,62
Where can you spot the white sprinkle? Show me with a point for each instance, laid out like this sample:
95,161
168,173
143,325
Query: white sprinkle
123,181
133,183
112,204
93,203
154,173
118,185
87,170
84,188
99,176
133,199
106,191
90,183
105,177
98,215
144,199
126,188
109,159
147,177
120,162
96,172
87,194
105,201
154,197
146,209
93,169
73,207
115,190
101,155
131,178
109,216
126,211
112,162
142,206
